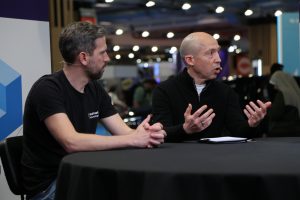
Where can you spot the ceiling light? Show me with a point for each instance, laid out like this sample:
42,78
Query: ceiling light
216,36
173,50
278,13
146,65
116,48
130,55
170,35
135,48
108,1
158,59
237,51
119,31
118,56
248,12
237,37
138,60
145,34
220,9
186,6
230,49
154,49
150,3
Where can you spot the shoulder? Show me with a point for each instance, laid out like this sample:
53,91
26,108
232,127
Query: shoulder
220,84
46,83
168,83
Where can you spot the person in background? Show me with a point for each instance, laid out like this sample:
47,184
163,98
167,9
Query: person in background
120,106
194,105
127,87
284,116
142,97
62,110
269,89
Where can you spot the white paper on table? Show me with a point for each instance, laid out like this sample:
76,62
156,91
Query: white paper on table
225,139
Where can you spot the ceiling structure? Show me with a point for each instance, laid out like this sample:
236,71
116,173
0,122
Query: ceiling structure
167,15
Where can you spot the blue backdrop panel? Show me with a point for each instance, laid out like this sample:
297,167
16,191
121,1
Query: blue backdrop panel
10,100
288,48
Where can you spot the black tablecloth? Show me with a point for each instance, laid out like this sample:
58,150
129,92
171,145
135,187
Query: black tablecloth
263,169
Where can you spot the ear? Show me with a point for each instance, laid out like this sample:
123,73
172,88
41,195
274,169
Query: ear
83,58
189,59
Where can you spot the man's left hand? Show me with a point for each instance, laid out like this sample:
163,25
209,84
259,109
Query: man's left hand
256,113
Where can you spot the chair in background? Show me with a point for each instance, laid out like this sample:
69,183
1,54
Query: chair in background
10,153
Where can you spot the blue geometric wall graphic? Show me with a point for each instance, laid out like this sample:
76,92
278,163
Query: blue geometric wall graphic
10,100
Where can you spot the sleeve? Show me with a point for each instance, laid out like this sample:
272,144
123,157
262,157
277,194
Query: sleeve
277,109
48,99
162,112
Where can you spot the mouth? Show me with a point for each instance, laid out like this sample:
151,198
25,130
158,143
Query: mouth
218,69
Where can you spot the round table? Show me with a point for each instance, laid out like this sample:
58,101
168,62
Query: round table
265,169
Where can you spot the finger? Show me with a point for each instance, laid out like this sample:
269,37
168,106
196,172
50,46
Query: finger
254,106
157,135
146,120
259,111
159,139
163,132
188,110
206,114
208,120
268,104
250,109
247,113
154,142
147,126
199,111
264,106
253,115
155,127
204,117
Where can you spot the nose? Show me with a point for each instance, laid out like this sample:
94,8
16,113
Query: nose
106,57
217,58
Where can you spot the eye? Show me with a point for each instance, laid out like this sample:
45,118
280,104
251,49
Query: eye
103,52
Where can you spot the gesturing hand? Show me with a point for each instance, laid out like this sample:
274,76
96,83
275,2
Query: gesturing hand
254,113
197,122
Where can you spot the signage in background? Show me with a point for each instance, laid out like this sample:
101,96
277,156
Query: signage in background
289,42
24,57
10,100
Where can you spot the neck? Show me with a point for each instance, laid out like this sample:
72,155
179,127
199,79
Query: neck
198,80
76,77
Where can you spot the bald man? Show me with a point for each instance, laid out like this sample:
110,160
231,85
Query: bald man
194,105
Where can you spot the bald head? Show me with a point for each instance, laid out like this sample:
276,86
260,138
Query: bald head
192,43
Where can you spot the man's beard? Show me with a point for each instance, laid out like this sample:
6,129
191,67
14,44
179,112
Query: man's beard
94,75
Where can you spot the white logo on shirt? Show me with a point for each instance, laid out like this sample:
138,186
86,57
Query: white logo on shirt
93,115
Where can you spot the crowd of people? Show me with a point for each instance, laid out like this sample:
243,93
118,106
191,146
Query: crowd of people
62,109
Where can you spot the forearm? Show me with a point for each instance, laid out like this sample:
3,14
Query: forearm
92,142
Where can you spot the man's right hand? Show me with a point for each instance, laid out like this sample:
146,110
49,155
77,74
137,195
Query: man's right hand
198,121
149,136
